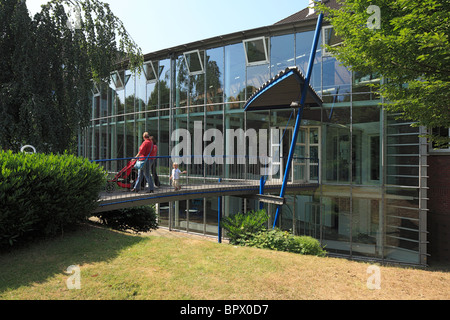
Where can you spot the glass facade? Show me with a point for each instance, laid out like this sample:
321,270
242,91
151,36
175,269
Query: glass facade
371,202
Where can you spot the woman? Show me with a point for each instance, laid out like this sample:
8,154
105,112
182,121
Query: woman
143,155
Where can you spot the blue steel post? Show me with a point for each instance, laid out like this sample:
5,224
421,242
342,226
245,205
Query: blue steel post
300,112
219,217
262,182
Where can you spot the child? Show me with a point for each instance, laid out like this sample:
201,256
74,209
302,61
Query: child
176,176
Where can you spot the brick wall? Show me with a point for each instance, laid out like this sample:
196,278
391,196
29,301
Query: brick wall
439,205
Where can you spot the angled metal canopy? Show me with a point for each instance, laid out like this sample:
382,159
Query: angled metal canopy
283,91
288,89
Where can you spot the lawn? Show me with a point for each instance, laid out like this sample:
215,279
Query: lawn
115,265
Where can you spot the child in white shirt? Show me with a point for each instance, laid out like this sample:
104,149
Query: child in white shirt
176,176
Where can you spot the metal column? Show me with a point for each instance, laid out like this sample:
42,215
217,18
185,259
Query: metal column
300,112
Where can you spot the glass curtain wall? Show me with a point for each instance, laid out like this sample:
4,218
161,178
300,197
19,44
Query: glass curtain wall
361,208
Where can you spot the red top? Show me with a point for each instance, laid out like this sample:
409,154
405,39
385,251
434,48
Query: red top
145,149
154,152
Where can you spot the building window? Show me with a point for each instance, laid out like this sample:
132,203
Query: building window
95,89
194,61
330,38
120,79
441,144
256,51
374,158
151,71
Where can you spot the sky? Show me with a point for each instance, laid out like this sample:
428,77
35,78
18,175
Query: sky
159,24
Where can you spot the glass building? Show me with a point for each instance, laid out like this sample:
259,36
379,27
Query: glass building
372,199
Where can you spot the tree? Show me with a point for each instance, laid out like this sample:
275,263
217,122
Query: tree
408,47
49,64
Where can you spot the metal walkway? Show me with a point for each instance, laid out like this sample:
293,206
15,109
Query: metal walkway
204,179
126,199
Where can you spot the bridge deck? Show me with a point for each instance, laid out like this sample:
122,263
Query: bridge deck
123,198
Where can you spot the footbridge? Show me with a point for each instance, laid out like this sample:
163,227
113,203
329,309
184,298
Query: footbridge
204,178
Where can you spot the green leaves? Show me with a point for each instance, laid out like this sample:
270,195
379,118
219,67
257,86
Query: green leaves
412,47
46,70
241,227
137,219
41,194
250,229
279,240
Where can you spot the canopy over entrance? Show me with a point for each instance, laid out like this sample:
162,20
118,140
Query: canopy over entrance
283,91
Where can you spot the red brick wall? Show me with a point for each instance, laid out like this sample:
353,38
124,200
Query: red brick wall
439,205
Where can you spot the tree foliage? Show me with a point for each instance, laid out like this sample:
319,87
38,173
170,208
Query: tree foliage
48,64
410,50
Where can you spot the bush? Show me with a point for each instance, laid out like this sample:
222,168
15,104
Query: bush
285,241
138,219
41,194
241,227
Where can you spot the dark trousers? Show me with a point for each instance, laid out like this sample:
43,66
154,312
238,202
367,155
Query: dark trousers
154,174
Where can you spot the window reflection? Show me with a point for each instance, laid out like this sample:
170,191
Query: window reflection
303,43
336,78
182,83
330,38
256,51
214,77
234,75
366,145
281,53
256,77
164,84
337,148
194,61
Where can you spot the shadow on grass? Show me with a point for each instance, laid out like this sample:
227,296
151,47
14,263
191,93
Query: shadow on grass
43,259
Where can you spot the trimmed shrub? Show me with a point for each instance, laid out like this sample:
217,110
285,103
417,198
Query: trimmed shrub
42,194
242,227
284,241
138,219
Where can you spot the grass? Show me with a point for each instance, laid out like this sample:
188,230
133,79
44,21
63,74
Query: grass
120,266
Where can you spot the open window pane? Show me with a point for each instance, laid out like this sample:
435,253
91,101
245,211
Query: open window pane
330,38
194,62
150,71
95,89
256,51
120,79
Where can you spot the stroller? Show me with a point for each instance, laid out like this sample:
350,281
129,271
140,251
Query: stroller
124,179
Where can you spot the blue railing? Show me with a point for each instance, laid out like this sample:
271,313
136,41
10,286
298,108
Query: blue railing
204,173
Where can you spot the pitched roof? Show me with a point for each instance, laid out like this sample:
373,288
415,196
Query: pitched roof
304,15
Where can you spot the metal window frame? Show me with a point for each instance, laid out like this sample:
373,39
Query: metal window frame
193,73
325,53
266,51
123,80
147,75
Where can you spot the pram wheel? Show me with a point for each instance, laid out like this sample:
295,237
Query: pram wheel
110,186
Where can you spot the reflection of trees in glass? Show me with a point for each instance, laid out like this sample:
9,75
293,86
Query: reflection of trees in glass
214,87
182,83
194,85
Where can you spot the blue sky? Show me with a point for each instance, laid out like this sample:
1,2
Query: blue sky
160,24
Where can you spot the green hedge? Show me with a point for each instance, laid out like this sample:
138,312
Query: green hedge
137,219
250,229
42,194
284,241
